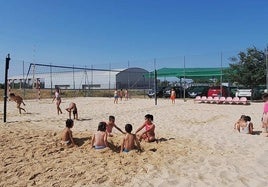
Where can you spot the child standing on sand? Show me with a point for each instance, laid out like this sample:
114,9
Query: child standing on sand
99,140
148,135
129,141
18,99
173,96
67,135
110,125
58,100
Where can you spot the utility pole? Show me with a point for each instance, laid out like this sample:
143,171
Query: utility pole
5,92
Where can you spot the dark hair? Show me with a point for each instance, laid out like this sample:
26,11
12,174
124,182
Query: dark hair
102,126
265,96
69,123
128,128
149,116
111,118
247,118
11,94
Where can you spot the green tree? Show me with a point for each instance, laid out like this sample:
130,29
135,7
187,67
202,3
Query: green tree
249,69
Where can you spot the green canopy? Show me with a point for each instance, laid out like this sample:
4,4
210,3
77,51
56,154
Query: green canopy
189,73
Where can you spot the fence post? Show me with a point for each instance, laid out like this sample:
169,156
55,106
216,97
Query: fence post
5,92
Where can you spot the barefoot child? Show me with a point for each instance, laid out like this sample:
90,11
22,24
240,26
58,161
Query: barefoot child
129,141
72,106
173,96
67,135
99,140
110,125
148,135
58,100
18,99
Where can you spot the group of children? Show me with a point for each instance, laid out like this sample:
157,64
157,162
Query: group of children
129,142
119,94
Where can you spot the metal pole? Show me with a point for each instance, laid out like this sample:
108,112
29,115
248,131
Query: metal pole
155,83
50,79
5,92
266,54
221,76
184,80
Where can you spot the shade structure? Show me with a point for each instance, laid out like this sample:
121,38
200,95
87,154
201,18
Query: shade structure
189,73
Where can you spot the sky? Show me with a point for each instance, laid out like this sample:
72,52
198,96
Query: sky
101,32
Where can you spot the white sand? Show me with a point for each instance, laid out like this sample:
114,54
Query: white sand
199,146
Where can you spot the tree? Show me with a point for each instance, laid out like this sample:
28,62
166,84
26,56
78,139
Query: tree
249,69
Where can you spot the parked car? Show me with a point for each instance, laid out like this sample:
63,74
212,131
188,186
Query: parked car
178,90
258,92
216,91
194,91
159,92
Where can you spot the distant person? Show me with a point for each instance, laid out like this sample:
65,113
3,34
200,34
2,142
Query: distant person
126,95
18,99
67,135
99,140
116,97
58,100
265,113
110,125
130,140
72,107
148,135
173,96
121,93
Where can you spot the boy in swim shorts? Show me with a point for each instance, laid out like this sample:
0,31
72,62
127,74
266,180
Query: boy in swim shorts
18,99
72,107
110,125
129,141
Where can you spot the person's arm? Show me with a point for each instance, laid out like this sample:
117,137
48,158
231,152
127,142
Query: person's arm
119,129
122,145
105,139
250,128
141,127
92,141
137,142
71,138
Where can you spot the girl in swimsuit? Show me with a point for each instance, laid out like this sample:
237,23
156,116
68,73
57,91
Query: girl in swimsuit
148,135
58,100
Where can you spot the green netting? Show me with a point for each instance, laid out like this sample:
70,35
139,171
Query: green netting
190,73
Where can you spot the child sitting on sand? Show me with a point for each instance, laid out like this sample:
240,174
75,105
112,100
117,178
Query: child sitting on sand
148,135
99,140
72,106
110,125
67,135
129,141
18,99
244,125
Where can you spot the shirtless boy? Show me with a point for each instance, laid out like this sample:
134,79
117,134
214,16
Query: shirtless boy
110,125
99,140
18,99
67,135
129,141
72,106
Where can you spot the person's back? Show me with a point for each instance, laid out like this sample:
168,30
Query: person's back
99,140
129,140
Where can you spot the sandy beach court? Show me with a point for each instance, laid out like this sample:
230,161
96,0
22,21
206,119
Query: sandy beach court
197,145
